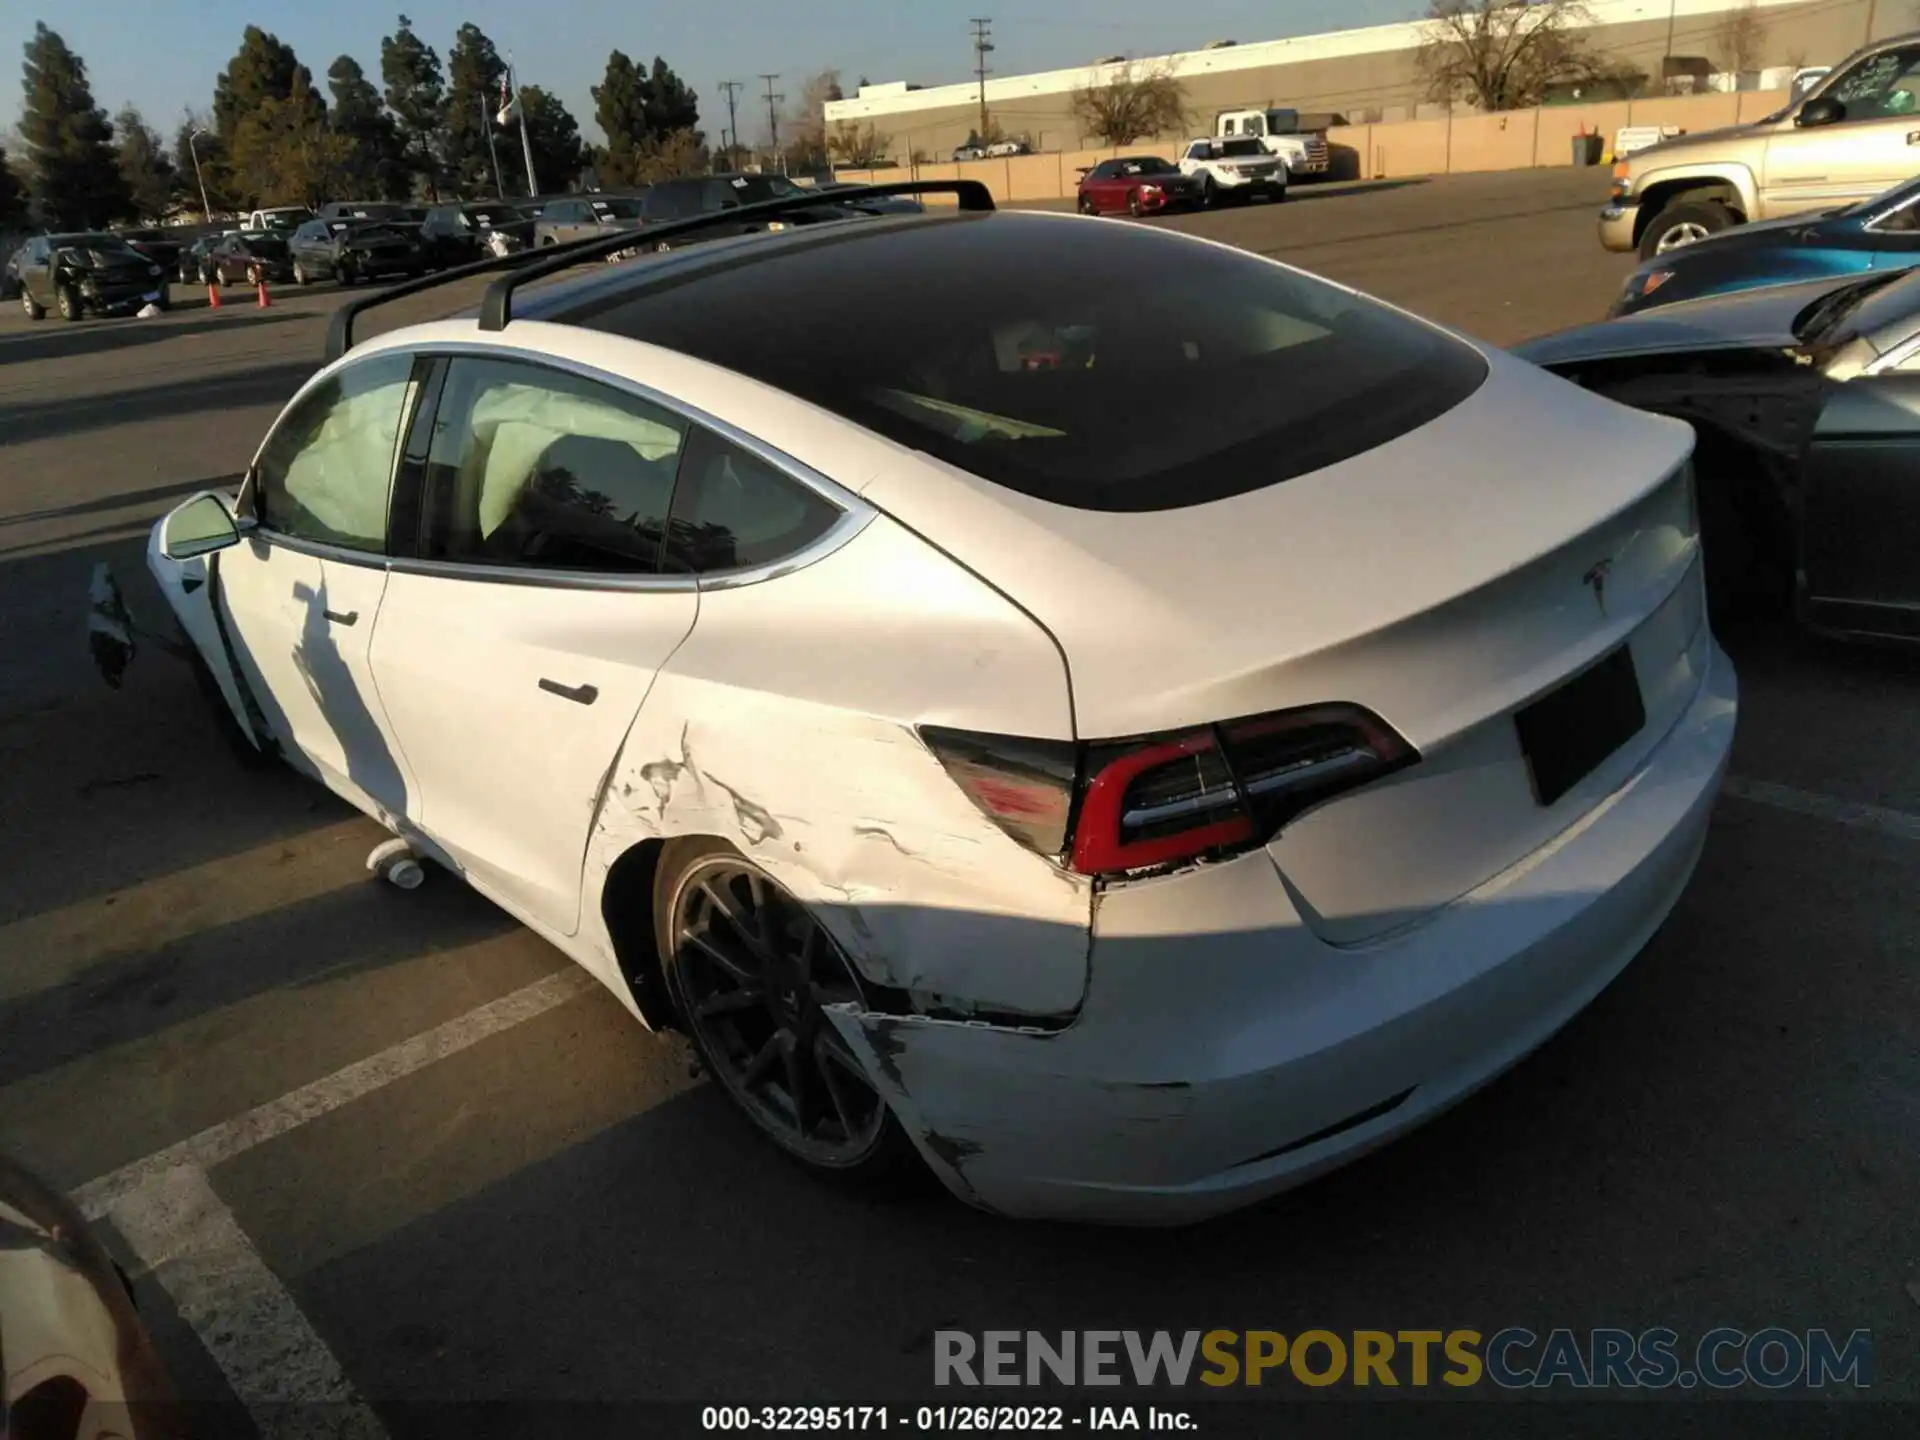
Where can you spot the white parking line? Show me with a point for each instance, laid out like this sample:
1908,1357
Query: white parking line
231,1137
279,1368
1897,823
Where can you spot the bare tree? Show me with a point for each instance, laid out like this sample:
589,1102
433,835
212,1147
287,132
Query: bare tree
1137,101
1504,54
1740,38
857,146
804,131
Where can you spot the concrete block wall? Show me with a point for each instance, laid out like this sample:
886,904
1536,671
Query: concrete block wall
1509,140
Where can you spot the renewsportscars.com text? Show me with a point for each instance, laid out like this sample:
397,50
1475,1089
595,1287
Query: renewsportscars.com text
1513,1358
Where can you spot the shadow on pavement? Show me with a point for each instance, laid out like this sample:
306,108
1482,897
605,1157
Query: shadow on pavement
266,385
124,500
94,337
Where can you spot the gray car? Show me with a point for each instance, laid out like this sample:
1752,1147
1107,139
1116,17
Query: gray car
1806,398
580,217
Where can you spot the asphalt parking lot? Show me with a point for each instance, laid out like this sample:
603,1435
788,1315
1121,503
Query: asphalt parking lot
412,1156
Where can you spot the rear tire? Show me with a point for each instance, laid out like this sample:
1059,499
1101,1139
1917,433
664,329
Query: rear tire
1683,224
749,970
34,309
299,273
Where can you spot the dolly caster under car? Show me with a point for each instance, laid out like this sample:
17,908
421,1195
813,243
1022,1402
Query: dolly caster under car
394,862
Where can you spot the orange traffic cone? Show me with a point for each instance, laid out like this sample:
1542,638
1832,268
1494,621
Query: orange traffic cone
260,288
213,294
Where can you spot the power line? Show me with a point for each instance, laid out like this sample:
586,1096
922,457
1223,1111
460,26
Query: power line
982,46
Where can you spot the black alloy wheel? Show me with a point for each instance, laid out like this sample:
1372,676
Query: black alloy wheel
753,972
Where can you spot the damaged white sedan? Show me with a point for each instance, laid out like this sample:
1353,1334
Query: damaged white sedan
1130,722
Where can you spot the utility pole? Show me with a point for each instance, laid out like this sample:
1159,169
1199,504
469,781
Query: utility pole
733,88
519,103
773,115
982,47
1666,62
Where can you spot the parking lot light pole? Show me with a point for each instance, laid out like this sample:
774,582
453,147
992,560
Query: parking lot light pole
193,142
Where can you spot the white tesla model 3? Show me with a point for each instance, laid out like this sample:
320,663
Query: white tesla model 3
1128,721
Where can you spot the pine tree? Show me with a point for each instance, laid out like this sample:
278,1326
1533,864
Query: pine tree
144,164
416,93
75,174
558,155
620,108
262,69
671,104
13,196
377,170
474,72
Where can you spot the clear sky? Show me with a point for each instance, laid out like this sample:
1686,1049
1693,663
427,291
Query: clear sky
164,54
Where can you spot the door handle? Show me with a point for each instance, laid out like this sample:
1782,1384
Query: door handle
337,618
579,694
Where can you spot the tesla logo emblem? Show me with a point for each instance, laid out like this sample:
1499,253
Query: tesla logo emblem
1596,581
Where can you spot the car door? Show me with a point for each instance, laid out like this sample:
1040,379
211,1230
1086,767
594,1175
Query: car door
36,273
1100,186
1875,146
1860,506
300,594
518,641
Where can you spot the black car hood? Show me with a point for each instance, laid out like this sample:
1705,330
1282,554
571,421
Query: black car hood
1760,318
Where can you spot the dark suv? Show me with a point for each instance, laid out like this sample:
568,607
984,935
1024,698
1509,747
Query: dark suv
704,194
87,273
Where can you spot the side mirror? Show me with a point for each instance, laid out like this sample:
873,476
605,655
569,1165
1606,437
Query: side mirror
1824,111
199,527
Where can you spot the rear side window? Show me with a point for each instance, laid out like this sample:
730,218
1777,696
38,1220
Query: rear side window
1118,368
733,511
531,467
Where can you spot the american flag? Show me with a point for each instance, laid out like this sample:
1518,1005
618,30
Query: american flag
507,106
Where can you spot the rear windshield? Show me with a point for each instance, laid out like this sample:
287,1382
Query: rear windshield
1106,367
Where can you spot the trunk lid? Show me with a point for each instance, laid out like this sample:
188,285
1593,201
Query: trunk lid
1441,580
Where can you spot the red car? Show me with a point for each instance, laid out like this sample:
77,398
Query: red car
1137,184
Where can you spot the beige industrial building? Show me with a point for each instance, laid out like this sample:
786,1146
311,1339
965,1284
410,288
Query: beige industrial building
1366,76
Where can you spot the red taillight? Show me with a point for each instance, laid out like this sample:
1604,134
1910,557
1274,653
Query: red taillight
1159,800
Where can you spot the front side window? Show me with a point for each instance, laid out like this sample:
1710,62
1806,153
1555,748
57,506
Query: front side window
1881,87
733,511
326,470
531,467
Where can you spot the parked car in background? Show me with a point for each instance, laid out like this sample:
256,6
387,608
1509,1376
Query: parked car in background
1136,185
1880,234
577,217
1848,139
162,247
1004,149
353,250
969,152
10,274
195,266
706,194
87,273
78,1362
1806,398
278,217
459,234
363,210
235,259
874,204
824,595
1233,170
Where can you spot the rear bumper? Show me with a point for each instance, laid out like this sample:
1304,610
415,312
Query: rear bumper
1225,1053
1617,224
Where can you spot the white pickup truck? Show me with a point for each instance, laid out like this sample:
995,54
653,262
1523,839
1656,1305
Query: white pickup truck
1279,133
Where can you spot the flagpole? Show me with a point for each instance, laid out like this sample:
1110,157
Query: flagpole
526,142
486,124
